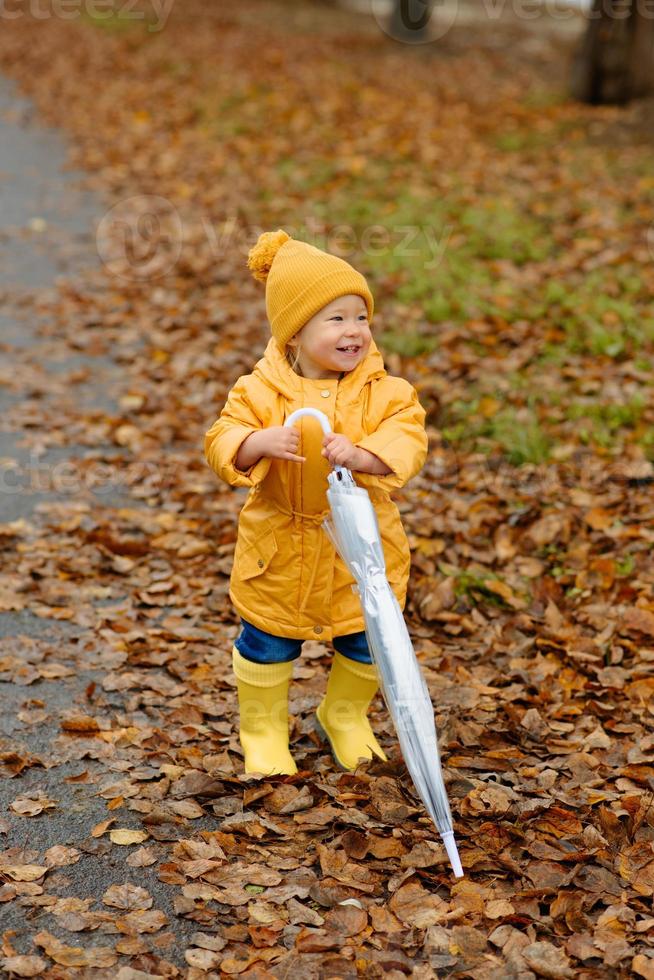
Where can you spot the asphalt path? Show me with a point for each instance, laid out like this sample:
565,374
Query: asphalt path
47,231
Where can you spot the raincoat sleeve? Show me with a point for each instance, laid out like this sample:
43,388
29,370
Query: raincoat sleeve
400,439
222,441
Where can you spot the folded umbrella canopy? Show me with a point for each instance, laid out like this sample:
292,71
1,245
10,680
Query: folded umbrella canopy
354,532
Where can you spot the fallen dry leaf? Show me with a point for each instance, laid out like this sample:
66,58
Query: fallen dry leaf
127,896
24,966
60,856
142,858
75,956
125,836
414,905
31,806
23,872
546,960
103,827
202,959
143,921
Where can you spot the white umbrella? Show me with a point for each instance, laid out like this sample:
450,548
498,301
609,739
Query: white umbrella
354,532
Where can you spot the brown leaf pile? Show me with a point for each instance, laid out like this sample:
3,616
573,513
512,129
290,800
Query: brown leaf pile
536,639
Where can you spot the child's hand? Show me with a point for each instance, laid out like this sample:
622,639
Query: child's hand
340,451
280,442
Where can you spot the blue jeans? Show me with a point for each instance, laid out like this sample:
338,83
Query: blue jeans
264,648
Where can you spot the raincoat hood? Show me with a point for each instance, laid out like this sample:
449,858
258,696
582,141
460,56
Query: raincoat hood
274,370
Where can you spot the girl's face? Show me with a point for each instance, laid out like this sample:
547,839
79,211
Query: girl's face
336,339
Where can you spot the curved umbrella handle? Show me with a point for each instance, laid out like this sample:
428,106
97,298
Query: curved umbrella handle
315,412
342,473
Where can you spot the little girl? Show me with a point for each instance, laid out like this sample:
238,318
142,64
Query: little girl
288,583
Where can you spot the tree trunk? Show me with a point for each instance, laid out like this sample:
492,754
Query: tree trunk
615,61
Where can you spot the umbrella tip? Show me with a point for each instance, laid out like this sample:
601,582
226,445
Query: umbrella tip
452,853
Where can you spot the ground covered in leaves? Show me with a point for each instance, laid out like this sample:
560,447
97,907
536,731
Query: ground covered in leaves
512,270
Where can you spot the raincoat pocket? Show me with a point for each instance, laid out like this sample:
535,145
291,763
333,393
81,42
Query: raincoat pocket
252,558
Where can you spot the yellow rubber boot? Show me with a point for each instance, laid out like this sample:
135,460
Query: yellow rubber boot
263,709
341,715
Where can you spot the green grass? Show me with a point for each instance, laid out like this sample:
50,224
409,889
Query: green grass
473,586
646,442
525,139
449,280
606,419
521,440
518,433
408,343
594,320
525,434
440,257
625,566
446,266
440,248
437,249
543,130
542,98
240,111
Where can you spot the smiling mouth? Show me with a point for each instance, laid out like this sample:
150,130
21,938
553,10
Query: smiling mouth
349,350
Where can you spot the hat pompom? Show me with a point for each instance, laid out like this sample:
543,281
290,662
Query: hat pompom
261,256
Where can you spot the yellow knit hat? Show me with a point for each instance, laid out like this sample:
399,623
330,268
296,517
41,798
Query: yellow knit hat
300,279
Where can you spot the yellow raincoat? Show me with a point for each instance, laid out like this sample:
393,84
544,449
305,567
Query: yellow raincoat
287,578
